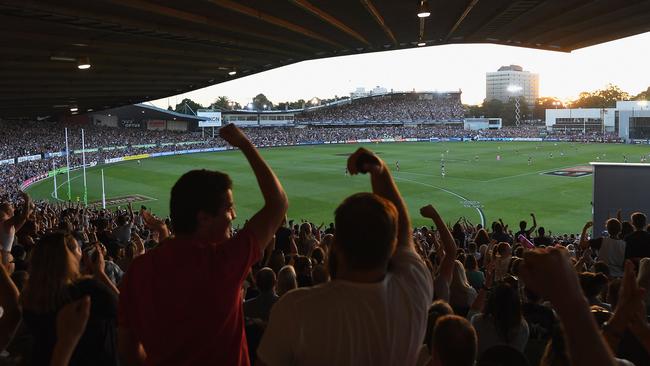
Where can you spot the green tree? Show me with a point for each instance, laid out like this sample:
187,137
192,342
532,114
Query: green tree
544,103
224,103
601,98
187,106
261,102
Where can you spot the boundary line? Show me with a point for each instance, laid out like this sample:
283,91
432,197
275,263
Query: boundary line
478,209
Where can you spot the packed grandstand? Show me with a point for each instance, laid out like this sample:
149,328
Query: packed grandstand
43,148
465,274
476,270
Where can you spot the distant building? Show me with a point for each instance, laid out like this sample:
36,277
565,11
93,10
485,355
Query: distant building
362,92
475,124
497,83
630,120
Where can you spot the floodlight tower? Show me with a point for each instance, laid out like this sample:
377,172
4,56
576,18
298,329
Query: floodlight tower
515,89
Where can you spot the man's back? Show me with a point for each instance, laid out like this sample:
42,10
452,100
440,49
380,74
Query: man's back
637,244
183,301
353,323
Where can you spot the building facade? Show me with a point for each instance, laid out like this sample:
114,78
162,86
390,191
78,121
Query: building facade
497,83
630,120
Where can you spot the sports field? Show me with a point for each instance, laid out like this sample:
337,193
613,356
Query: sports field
476,185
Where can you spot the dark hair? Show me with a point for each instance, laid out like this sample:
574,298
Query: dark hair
502,355
638,220
592,283
366,229
613,291
541,231
626,229
504,308
613,227
437,309
455,341
302,264
470,263
531,295
458,230
319,274
196,191
318,255
522,225
265,279
121,220
482,237
601,267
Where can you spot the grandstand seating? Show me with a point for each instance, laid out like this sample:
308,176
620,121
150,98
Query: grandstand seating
389,108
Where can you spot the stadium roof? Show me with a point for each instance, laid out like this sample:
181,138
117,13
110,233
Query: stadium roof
146,111
144,50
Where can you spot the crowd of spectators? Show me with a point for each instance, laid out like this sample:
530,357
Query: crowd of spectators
88,286
44,138
395,108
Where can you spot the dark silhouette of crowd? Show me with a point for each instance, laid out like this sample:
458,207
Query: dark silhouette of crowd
87,286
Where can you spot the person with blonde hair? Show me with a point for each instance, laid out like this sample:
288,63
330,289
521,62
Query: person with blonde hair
461,293
54,281
286,280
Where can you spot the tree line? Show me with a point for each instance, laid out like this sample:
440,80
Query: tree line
601,98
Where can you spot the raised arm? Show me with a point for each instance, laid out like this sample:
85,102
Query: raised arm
19,220
584,242
548,273
532,228
448,242
267,220
364,161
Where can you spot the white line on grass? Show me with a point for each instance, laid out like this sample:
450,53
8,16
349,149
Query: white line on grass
61,185
480,212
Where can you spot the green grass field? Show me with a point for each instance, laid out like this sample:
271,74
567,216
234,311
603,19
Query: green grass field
314,179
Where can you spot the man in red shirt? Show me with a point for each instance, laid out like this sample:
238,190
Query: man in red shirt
181,303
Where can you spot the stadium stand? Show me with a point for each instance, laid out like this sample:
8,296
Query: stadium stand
514,307
390,108
48,144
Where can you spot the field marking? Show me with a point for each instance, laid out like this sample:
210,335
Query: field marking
480,212
61,185
489,180
529,173
148,198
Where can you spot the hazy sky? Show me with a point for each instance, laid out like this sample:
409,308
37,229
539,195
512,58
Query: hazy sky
564,75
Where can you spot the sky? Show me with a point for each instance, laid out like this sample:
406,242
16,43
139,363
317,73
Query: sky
442,68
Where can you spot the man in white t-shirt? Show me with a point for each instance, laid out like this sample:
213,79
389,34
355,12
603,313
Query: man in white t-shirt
374,310
611,249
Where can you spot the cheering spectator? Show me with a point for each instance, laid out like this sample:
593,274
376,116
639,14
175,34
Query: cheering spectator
372,230
198,317
501,322
286,280
54,281
461,293
637,244
260,306
454,342
611,249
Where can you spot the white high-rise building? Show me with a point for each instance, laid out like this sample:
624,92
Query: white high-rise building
497,83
